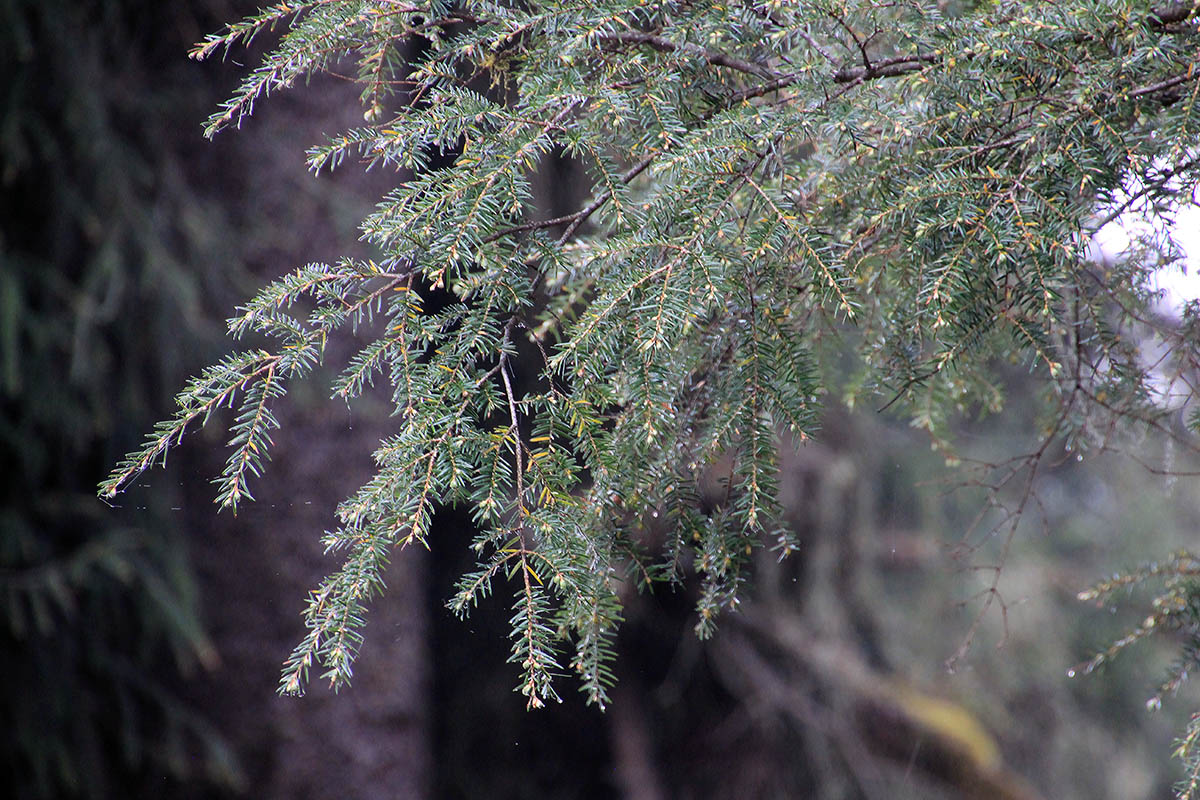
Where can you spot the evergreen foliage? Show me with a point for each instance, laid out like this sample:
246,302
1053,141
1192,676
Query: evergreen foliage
883,200
1175,611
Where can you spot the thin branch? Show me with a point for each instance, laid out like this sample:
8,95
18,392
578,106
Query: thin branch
886,68
531,226
714,57
862,48
1191,74
781,82
582,216
515,427
577,218
820,48
1151,186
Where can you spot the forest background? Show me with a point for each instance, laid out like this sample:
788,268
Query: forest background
142,644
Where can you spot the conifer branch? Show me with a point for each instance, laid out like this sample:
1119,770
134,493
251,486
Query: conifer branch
754,197
214,388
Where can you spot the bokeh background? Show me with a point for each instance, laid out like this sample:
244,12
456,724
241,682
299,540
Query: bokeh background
140,643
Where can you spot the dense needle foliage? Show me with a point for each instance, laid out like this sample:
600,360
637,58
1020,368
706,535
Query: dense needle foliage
885,200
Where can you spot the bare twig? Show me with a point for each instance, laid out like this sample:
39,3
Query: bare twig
1151,186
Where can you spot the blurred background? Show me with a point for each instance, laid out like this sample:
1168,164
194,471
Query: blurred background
140,644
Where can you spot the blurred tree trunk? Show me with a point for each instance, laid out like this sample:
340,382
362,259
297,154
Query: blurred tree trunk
368,742
257,568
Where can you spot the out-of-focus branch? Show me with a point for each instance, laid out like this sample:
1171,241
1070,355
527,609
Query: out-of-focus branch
891,716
